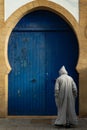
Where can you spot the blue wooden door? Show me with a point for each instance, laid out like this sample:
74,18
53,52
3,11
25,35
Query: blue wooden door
61,50
36,51
27,78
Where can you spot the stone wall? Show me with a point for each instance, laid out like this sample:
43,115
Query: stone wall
83,59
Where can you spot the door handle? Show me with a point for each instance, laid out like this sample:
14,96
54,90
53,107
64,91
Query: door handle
33,80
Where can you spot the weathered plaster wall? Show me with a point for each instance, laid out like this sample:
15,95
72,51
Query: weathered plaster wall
2,62
83,58
1,12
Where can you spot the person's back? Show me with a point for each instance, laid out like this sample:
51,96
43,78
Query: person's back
65,93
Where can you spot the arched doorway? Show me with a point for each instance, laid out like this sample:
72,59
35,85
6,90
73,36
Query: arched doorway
38,46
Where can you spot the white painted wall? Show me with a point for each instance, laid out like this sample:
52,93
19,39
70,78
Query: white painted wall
71,5
12,5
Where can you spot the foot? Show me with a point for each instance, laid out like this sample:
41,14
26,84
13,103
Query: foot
68,126
59,125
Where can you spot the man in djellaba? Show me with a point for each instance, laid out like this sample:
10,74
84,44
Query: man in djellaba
65,95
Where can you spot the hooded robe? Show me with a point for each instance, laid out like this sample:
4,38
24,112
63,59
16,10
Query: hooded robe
65,94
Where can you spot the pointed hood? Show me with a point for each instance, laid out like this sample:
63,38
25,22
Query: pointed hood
63,70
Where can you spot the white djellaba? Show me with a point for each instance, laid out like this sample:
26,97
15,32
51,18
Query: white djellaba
65,95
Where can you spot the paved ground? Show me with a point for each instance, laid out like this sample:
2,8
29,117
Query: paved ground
36,124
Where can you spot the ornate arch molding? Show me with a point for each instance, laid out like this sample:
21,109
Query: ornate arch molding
32,6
